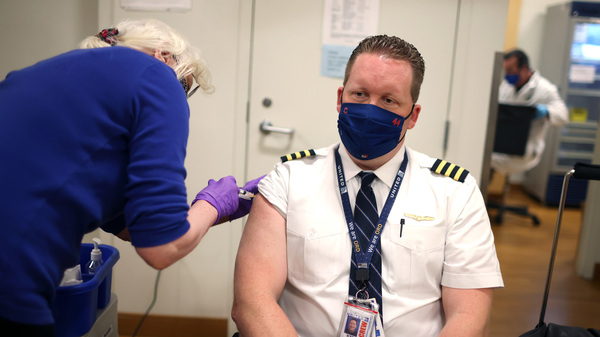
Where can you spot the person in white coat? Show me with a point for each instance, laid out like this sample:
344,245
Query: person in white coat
525,86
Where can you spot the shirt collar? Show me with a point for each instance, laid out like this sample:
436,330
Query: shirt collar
386,173
531,83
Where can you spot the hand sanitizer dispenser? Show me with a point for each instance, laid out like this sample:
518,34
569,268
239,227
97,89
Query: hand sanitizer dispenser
95,258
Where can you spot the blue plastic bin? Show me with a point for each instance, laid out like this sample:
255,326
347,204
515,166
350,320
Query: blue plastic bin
75,307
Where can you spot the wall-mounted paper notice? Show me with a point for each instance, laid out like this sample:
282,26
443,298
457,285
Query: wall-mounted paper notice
156,5
582,73
345,24
333,59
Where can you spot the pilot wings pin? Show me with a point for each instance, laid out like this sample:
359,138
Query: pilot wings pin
419,217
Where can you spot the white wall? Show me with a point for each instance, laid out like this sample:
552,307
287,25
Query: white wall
531,24
32,30
480,35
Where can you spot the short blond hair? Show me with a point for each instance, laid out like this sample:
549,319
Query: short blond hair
148,35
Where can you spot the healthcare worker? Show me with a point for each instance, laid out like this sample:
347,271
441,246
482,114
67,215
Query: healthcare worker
524,86
96,137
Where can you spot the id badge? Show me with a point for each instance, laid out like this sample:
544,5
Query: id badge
358,318
378,325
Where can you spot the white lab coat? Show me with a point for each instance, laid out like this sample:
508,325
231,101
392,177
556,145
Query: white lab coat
537,90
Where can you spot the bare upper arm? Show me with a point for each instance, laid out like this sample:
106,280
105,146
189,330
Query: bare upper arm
466,300
261,274
467,310
261,263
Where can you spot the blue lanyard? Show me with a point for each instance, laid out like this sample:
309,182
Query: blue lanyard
363,258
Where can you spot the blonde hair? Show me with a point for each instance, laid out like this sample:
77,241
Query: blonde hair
148,35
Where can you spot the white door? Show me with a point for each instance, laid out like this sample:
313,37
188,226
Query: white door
288,90
200,285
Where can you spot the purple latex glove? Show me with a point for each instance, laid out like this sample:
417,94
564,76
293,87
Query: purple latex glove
244,208
222,195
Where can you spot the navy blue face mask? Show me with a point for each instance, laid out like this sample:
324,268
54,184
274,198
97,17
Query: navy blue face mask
368,131
512,79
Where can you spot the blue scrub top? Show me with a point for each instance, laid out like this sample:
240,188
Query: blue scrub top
90,138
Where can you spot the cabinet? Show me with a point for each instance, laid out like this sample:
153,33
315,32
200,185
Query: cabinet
571,60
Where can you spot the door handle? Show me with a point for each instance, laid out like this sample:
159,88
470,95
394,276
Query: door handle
266,127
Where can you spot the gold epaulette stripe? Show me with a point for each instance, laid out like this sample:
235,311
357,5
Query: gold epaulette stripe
450,170
296,155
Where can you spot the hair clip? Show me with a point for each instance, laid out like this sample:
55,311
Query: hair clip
109,35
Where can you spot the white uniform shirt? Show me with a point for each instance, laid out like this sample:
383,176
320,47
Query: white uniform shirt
446,240
537,90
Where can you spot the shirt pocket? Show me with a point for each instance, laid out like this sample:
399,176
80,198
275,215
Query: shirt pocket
415,259
318,249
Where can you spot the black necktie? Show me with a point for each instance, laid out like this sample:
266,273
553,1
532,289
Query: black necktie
365,217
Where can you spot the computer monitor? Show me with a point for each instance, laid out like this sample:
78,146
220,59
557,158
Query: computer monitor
512,128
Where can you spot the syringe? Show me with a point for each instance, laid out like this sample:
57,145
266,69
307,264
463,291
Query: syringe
245,194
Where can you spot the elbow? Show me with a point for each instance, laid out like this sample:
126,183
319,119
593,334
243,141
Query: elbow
241,311
160,264
236,312
155,258
162,256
